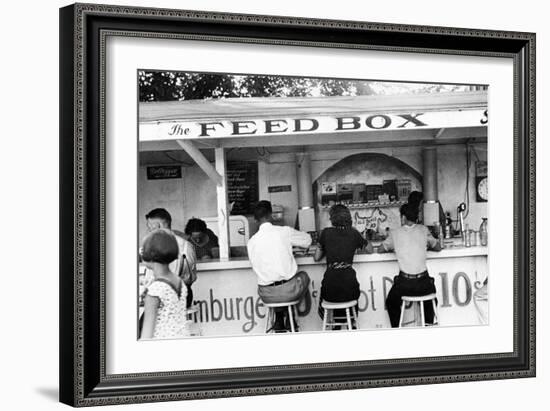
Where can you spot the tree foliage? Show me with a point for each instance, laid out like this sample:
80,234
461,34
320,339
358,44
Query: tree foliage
170,86
173,86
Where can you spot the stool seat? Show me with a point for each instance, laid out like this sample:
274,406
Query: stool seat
418,302
335,306
290,305
419,298
329,308
284,304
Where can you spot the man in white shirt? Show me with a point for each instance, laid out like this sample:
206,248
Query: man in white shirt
410,243
270,253
185,265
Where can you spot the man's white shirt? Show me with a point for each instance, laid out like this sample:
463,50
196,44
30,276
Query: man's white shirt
270,252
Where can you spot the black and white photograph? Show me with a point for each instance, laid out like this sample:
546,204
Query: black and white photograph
245,205
273,204
264,204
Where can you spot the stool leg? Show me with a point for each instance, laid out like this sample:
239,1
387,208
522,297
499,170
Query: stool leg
402,313
268,320
354,316
291,319
325,318
436,317
422,319
348,318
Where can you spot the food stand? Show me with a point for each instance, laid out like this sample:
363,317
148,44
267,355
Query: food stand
306,154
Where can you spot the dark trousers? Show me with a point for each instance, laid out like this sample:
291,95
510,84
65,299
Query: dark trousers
414,287
189,301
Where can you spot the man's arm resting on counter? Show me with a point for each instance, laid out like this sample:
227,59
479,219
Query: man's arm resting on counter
382,249
387,245
299,238
436,247
433,244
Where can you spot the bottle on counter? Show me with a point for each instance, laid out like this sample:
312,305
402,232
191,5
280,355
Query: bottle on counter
465,236
475,238
483,234
436,231
448,225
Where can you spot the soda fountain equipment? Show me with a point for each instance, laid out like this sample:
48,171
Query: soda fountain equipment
460,213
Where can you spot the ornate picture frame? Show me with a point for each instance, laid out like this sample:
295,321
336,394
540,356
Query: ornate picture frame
84,29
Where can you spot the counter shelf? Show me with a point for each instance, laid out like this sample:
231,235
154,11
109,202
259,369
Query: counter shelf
366,205
243,262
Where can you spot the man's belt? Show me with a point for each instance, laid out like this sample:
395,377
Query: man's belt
412,276
277,283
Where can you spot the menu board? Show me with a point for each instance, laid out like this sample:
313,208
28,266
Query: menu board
242,186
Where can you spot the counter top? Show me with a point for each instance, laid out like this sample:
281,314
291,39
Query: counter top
243,262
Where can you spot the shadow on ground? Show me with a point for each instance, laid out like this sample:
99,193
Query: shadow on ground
51,393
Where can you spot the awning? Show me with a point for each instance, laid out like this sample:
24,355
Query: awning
337,117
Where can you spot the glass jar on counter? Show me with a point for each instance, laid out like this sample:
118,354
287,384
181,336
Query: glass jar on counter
465,236
475,238
483,234
468,237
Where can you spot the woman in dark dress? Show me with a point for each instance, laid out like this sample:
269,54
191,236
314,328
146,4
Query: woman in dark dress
339,243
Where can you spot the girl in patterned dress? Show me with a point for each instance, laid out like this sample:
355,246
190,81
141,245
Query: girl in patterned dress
165,314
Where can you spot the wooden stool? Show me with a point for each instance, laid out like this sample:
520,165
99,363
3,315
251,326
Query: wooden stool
350,312
418,302
291,306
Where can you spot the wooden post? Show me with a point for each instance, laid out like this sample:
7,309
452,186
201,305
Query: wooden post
306,213
303,174
431,205
223,211
201,160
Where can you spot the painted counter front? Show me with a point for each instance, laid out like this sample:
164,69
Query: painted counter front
228,304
